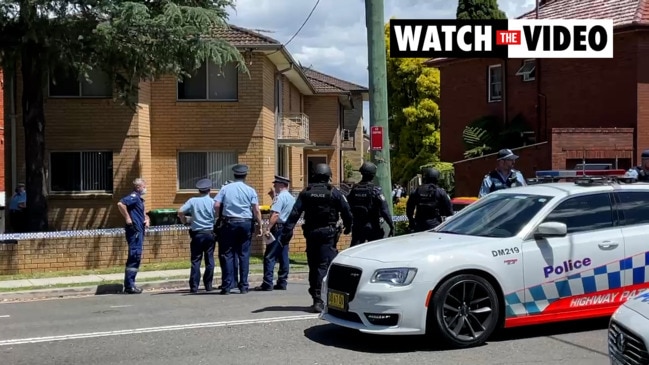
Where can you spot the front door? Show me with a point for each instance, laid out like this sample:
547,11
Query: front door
311,162
575,273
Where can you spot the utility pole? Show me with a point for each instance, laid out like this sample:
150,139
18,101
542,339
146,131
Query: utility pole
378,95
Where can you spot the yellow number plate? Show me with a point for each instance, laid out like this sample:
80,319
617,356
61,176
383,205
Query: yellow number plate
337,300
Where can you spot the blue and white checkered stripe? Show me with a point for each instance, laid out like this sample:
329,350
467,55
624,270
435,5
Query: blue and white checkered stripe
535,299
116,231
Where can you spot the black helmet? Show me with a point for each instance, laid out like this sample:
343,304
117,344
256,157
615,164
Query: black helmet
430,174
322,172
368,168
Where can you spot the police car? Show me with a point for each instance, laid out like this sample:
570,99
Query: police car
628,332
516,257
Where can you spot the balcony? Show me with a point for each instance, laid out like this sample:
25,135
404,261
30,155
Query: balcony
347,140
293,129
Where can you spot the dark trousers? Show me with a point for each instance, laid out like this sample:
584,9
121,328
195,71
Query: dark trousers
236,236
202,246
365,233
425,225
135,240
18,221
320,251
277,251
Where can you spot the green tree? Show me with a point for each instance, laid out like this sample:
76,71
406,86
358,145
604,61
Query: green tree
130,40
479,9
414,115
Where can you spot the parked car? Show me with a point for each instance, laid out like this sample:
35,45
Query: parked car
517,257
628,332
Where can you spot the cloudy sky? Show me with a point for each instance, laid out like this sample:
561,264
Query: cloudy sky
334,40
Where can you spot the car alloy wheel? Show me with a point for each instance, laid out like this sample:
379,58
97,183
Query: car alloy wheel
466,310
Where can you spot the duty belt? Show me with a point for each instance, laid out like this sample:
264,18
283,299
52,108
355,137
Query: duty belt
236,219
203,231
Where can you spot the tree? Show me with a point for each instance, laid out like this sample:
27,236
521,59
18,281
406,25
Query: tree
479,9
413,112
132,41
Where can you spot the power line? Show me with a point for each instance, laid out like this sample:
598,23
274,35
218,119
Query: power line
315,6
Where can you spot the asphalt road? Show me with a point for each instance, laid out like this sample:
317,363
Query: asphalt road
171,328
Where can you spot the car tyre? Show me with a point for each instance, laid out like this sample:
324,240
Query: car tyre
464,311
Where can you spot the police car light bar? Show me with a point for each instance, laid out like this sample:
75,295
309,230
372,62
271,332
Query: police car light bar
577,173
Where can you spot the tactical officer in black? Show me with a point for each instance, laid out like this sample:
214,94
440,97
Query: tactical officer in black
368,205
430,201
322,205
641,172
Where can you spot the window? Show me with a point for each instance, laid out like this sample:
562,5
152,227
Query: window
79,172
584,213
527,70
62,84
211,82
495,83
495,215
635,207
193,166
282,161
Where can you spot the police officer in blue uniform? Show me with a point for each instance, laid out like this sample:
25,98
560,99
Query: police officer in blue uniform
641,172
504,176
240,204
323,205
235,259
17,207
368,204
201,232
278,249
428,203
132,209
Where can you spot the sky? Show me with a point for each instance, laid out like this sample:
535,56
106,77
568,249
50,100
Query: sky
334,40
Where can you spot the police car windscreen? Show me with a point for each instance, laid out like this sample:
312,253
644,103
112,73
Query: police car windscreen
496,215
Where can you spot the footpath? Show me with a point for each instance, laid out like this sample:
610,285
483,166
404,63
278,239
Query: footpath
100,284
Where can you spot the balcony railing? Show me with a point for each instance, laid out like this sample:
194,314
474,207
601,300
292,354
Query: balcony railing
293,127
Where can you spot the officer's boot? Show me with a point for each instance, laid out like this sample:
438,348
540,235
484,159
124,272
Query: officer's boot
318,304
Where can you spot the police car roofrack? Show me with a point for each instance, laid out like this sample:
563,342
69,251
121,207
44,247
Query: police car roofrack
583,177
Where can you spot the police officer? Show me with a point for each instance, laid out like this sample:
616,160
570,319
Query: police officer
17,207
278,249
641,172
323,205
240,204
202,235
504,176
368,205
235,259
430,202
132,208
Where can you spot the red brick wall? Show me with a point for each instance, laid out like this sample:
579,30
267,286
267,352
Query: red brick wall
642,137
590,143
2,135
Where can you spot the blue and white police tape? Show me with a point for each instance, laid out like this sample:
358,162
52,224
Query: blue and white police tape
117,231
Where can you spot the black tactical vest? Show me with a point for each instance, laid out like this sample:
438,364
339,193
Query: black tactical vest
428,205
498,184
361,199
320,210
642,175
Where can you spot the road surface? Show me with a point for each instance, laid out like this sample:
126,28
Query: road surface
171,328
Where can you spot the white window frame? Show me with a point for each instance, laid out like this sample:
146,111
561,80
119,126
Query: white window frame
227,169
526,75
207,85
491,98
80,96
76,192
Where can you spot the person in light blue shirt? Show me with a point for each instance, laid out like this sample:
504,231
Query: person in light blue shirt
504,176
17,207
240,204
278,249
201,232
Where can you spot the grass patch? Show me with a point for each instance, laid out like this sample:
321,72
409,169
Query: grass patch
298,259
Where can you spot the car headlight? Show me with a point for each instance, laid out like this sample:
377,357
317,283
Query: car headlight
399,276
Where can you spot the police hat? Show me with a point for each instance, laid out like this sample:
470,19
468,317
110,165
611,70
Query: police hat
204,184
645,154
281,180
240,169
506,154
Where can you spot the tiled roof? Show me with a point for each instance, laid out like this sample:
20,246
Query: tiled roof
623,12
239,37
328,84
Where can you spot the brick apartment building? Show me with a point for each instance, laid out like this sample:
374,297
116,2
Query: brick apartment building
282,119
597,109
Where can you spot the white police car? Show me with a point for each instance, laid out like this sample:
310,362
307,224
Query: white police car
521,256
628,332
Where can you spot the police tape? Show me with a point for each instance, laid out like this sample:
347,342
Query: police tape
108,232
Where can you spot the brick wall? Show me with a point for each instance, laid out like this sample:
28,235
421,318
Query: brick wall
353,120
642,137
324,129
97,252
590,143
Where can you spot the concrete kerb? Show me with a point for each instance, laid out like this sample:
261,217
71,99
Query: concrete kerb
104,289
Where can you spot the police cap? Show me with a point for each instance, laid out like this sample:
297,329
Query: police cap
204,184
645,154
240,169
506,154
367,168
281,180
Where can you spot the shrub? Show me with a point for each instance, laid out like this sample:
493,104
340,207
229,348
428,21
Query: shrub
400,228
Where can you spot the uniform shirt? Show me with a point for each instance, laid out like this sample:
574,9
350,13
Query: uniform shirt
202,212
485,188
17,199
634,173
135,207
283,205
237,199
